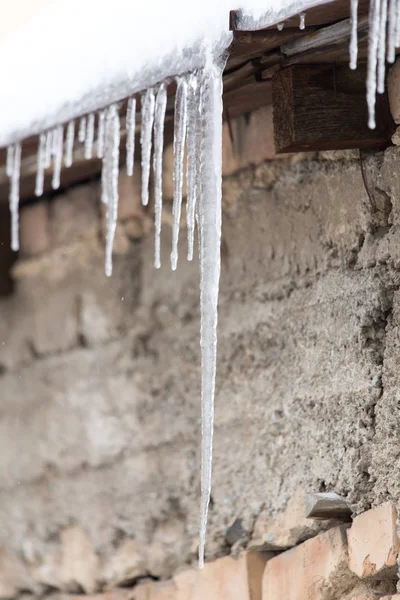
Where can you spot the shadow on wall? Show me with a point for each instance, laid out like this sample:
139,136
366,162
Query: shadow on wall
7,256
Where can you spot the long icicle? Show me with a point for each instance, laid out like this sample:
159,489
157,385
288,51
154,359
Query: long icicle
148,103
159,117
69,144
100,134
397,25
82,130
382,48
353,34
209,212
180,119
10,160
48,148
373,42
110,179
89,139
130,135
40,168
14,197
58,137
391,48
193,155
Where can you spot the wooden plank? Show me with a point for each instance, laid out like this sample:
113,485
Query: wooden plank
323,107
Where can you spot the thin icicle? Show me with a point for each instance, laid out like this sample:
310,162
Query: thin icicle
180,119
58,136
110,179
89,139
14,197
41,158
130,137
373,42
209,212
82,130
100,134
148,102
354,34
302,24
10,160
397,26
159,117
391,49
382,48
48,148
193,154
69,144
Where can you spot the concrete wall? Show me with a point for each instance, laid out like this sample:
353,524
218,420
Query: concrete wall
99,384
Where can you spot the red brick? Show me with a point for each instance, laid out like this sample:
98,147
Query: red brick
314,570
373,542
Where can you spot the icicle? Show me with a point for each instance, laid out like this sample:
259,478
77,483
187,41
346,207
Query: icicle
354,34
69,144
397,25
193,156
209,212
10,160
48,148
382,47
82,130
280,26
58,135
180,118
391,50
100,134
89,139
110,179
159,116
145,141
130,137
302,24
41,158
373,42
14,197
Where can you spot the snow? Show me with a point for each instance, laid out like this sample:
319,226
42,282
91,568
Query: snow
113,51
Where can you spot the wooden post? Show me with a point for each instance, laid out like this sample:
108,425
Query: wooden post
323,107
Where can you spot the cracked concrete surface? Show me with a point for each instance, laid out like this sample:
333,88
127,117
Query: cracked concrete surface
100,396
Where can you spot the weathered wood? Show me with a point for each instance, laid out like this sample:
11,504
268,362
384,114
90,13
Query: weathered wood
323,107
327,505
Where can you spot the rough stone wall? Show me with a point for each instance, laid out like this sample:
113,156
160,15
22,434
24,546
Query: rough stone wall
99,384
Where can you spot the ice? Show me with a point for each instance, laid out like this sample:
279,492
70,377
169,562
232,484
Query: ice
397,25
353,34
58,138
130,135
391,50
159,116
48,149
373,43
89,139
10,160
82,130
280,26
209,214
180,119
100,134
148,102
302,24
193,156
69,144
110,174
40,168
382,47
14,196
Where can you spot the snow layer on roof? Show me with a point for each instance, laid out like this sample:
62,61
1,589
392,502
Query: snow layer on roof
76,56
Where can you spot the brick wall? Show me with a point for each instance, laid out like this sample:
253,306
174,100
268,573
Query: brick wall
99,382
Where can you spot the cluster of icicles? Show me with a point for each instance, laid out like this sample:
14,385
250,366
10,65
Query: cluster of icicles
198,125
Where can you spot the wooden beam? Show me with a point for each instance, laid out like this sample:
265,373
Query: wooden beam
323,107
